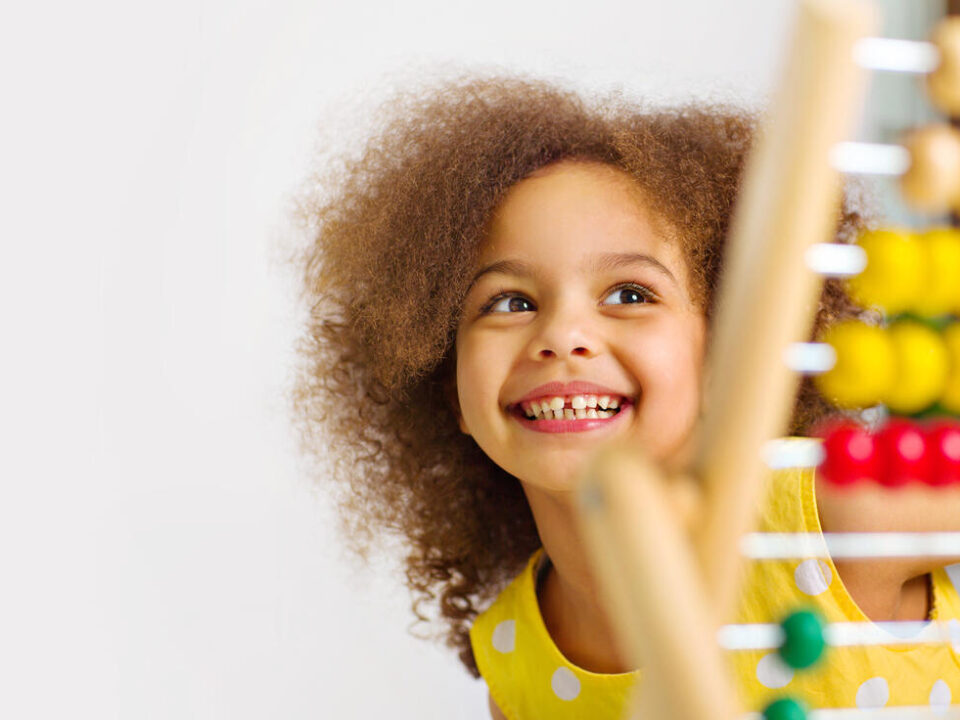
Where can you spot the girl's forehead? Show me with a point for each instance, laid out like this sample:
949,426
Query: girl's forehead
572,209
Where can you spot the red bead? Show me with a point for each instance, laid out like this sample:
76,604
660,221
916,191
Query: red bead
850,453
943,442
905,453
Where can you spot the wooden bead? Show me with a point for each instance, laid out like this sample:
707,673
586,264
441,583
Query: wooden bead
905,455
950,399
943,443
894,279
922,364
943,84
865,370
803,641
932,182
785,709
941,276
851,454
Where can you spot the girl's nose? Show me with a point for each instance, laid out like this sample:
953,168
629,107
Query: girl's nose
548,353
561,338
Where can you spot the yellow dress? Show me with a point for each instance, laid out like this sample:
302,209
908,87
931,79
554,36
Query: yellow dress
529,678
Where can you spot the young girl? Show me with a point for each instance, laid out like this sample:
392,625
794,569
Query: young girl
508,276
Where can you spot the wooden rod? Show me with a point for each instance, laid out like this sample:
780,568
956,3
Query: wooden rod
768,296
650,578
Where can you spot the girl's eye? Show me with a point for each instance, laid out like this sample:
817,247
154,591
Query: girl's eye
629,295
509,304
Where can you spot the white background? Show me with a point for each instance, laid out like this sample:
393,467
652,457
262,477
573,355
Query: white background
161,553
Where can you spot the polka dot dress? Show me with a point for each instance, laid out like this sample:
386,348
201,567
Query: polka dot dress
529,677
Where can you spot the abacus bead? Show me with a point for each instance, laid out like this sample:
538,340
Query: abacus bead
922,366
850,454
904,452
943,442
932,182
941,287
894,275
943,84
803,639
950,399
864,370
784,709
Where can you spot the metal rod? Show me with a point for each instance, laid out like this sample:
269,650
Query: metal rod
764,636
857,158
890,55
836,259
781,546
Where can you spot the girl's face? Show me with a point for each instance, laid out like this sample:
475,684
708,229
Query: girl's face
578,297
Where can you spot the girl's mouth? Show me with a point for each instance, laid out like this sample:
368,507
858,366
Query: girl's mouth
571,413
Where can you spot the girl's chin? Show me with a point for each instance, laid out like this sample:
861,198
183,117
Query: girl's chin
563,486
559,476
562,471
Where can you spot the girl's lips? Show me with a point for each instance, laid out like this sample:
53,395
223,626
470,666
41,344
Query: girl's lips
568,426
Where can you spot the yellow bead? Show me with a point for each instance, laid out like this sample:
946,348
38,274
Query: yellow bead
922,365
950,400
941,290
864,371
893,278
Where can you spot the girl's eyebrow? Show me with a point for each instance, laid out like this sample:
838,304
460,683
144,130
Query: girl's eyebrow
614,261
601,262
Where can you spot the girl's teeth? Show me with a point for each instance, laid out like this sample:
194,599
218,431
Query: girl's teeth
581,407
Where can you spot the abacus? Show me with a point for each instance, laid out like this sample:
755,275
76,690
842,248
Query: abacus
657,563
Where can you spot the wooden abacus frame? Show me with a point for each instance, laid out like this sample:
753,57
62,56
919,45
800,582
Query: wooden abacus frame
655,566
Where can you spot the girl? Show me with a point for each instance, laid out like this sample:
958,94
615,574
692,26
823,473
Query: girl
508,276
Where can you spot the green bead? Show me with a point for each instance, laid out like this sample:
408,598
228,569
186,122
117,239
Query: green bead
785,709
803,639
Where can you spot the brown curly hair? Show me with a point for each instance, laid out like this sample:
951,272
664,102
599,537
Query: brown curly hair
393,235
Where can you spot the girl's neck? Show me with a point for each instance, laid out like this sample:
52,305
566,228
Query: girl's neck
569,597
583,638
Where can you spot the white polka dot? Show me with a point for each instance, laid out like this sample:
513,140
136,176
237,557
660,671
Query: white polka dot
953,628
873,693
812,576
772,672
565,684
953,572
940,698
504,636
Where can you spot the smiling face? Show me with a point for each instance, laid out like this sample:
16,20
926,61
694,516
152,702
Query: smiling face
580,300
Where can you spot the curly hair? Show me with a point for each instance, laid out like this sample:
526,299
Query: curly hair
394,232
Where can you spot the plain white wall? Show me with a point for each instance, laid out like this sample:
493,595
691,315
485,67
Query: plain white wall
162,554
